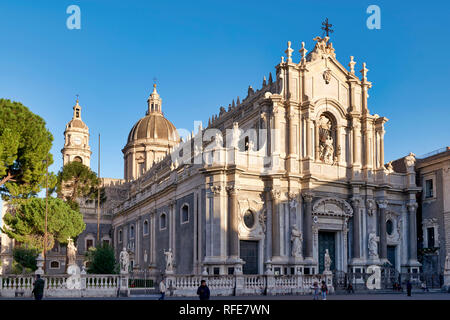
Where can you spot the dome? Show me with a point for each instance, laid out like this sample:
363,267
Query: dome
154,126
76,123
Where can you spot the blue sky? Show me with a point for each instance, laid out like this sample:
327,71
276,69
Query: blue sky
205,53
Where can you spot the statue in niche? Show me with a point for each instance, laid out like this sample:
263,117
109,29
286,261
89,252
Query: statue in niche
373,245
326,143
296,239
219,140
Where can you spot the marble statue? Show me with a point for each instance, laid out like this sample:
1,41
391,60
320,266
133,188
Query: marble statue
296,239
327,260
447,263
169,260
373,245
124,259
71,252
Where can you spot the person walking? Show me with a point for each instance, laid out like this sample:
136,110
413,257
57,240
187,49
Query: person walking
162,289
408,288
38,288
324,290
315,288
203,291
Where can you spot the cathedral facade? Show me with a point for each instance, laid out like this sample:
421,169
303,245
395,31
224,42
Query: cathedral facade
295,169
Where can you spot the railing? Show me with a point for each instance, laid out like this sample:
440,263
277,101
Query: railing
186,285
57,285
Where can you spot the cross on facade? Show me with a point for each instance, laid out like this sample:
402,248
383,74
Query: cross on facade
327,26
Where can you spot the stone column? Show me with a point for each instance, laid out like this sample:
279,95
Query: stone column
268,206
382,148
308,139
412,207
233,235
356,201
307,222
275,223
316,142
382,205
277,133
356,142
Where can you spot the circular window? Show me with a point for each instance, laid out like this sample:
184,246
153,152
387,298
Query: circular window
389,227
249,219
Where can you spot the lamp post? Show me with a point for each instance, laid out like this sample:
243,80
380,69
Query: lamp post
46,213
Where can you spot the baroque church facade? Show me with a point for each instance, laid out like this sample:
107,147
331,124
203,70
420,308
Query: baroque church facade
294,169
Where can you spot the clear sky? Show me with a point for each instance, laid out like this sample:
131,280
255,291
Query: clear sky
205,53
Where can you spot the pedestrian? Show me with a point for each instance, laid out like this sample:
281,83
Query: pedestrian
38,288
203,291
424,287
162,289
315,288
408,288
350,288
324,290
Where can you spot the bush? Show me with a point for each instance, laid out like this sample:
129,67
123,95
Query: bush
101,260
24,260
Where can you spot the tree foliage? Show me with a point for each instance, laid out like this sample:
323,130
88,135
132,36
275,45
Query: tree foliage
77,181
24,145
26,222
25,259
101,260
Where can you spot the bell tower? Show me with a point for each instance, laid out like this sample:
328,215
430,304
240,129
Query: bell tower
76,139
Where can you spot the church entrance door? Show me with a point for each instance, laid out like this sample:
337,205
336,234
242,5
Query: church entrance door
249,253
391,255
327,240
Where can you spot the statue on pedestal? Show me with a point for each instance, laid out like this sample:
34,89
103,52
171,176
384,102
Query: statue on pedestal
124,260
296,238
327,261
71,252
373,246
169,260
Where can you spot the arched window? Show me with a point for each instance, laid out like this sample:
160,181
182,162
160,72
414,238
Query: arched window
132,232
185,213
162,221
145,228
54,265
389,227
78,159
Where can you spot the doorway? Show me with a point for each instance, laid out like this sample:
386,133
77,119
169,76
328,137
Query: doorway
249,253
327,240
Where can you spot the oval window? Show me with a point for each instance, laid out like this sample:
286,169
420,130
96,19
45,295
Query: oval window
249,219
389,227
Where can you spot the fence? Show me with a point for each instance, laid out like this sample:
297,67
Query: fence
227,285
57,286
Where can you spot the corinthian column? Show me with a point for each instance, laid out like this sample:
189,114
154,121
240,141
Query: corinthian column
382,205
275,223
356,201
307,196
412,207
233,235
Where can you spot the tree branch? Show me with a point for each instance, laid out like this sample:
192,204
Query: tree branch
8,177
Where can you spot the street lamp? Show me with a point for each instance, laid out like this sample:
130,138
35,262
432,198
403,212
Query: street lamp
46,212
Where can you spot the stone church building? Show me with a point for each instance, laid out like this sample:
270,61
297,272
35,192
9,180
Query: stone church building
295,168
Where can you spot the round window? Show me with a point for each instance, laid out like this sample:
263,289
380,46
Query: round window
389,227
249,219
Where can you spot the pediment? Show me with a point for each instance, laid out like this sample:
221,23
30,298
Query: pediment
332,207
